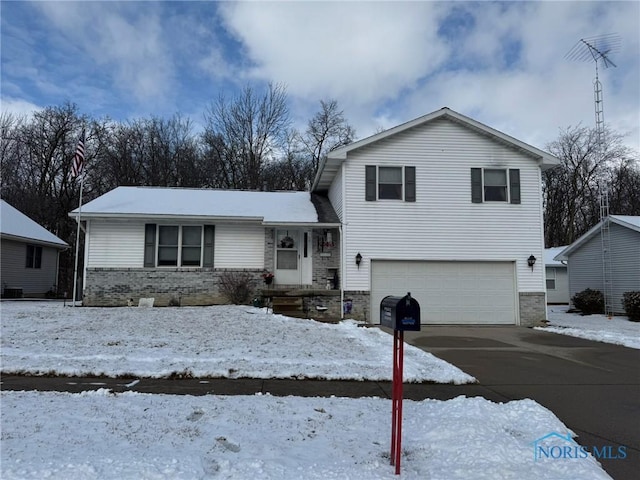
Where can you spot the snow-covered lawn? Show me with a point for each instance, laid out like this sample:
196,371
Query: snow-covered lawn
98,435
617,330
101,435
219,341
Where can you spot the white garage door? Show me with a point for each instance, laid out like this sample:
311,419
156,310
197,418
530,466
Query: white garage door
449,292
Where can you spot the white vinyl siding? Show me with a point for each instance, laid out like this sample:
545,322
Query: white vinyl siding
121,245
443,223
335,195
239,246
115,244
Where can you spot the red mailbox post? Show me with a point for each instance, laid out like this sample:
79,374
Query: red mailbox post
400,314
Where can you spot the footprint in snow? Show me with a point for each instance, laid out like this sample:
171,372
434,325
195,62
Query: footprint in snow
228,445
195,415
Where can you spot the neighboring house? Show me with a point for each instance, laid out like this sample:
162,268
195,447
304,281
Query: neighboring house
176,244
556,275
29,255
442,206
585,262
448,209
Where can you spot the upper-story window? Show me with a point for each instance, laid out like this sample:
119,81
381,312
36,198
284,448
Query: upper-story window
390,183
495,185
178,245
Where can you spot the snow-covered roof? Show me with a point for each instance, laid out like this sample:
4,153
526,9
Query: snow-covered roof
331,164
209,204
16,225
550,253
629,221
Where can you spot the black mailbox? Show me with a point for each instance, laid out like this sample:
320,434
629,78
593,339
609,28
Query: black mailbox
400,313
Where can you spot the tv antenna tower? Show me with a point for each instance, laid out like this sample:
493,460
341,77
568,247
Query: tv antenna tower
598,49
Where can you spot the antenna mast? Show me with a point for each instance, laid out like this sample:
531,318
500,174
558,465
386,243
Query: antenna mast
597,49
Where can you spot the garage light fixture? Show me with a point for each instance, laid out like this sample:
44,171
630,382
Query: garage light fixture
358,259
531,261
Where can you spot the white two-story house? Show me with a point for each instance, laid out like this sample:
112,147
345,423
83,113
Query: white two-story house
448,209
443,207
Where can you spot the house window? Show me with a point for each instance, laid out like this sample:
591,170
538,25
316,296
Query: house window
495,185
34,256
179,245
551,278
390,183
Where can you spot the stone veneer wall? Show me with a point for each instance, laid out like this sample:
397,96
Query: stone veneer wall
533,308
112,287
360,309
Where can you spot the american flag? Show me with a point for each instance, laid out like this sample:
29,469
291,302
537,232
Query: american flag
78,158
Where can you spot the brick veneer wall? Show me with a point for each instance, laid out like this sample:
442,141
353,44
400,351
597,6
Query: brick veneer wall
111,287
533,308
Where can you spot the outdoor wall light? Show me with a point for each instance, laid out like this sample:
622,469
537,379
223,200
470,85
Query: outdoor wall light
531,261
358,259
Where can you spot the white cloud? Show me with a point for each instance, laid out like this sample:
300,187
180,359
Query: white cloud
125,44
18,107
367,51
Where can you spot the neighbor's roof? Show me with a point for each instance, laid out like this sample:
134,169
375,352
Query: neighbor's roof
628,221
203,204
15,225
332,163
550,253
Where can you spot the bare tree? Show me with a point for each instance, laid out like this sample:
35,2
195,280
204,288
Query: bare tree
572,190
244,134
36,165
326,131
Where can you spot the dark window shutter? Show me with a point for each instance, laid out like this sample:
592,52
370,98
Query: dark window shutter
370,183
409,184
476,185
514,185
150,245
209,242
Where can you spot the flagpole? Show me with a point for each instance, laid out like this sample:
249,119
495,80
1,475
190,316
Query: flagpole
76,170
75,269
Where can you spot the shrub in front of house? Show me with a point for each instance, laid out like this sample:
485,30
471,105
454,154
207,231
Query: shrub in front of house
631,303
237,287
589,301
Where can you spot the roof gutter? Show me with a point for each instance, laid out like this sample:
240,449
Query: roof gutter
34,241
157,216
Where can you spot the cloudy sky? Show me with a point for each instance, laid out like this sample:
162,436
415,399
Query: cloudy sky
502,63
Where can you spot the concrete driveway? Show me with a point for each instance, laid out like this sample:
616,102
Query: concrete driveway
592,387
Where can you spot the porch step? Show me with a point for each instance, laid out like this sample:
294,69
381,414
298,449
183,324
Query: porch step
291,306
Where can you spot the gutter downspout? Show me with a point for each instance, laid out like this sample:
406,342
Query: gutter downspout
342,272
343,240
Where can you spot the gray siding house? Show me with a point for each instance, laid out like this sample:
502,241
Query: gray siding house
29,255
585,265
556,276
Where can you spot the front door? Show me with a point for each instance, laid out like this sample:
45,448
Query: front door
293,257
